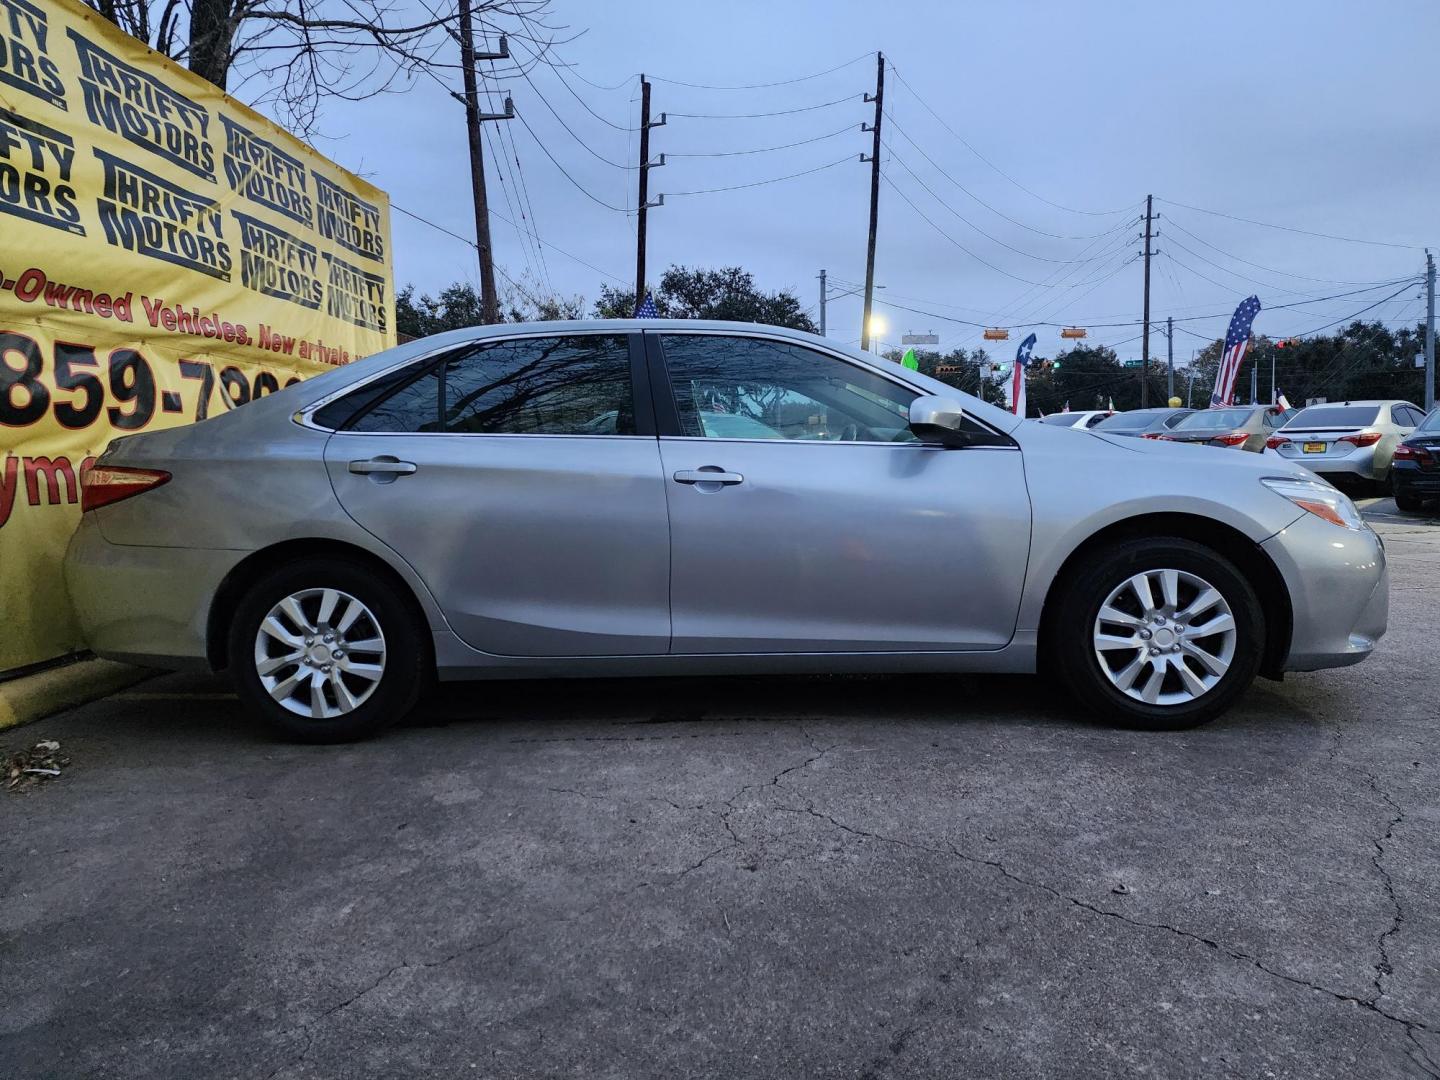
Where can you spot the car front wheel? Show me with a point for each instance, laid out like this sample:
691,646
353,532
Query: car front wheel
1160,633
327,651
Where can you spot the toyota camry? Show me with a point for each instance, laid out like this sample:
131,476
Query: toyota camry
690,498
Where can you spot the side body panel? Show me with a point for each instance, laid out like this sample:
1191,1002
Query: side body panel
845,547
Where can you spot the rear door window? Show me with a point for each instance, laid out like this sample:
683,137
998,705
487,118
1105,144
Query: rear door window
567,385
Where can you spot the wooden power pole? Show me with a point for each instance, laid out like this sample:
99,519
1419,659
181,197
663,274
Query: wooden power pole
1145,329
874,160
489,300
642,202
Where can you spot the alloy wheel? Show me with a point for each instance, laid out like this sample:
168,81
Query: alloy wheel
1165,637
320,653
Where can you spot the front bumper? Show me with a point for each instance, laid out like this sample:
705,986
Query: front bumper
1339,592
144,605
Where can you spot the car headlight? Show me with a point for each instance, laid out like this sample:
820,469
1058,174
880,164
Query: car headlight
1319,499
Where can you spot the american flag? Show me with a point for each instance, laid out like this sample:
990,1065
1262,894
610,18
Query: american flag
646,310
1237,340
1017,378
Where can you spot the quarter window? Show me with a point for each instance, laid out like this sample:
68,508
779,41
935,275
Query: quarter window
578,385
755,388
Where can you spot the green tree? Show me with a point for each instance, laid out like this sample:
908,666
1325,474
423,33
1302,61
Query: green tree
728,293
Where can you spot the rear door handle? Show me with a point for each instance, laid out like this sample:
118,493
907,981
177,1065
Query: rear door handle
388,465
708,474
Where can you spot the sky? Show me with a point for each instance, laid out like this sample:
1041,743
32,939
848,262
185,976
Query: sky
1028,133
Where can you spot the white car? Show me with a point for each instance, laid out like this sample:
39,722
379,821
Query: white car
1350,440
1085,418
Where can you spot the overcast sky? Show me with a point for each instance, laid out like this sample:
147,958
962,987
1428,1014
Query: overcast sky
1313,114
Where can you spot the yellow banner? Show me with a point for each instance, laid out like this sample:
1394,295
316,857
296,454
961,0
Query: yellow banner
165,253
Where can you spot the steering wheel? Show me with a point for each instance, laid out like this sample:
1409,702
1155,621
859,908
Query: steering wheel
850,433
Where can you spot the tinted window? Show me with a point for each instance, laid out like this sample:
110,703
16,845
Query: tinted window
1214,420
1060,419
1407,415
530,386
1337,416
1273,419
755,388
1139,420
1175,418
341,411
1432,422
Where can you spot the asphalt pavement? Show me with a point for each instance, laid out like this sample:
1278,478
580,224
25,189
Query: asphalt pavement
875,877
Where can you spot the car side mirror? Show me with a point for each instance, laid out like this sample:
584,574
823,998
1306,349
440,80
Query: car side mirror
938,420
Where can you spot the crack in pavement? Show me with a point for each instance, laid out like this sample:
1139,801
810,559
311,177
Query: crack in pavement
1383,966
1370,1005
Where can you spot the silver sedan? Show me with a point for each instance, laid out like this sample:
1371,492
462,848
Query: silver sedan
678,498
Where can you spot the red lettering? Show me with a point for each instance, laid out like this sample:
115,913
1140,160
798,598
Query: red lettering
8,481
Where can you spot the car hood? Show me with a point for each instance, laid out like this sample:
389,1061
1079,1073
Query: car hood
1181,453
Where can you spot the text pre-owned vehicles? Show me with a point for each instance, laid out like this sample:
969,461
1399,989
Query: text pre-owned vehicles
1239,427
1346,440
651,497
1138,423
1085,418
1415,469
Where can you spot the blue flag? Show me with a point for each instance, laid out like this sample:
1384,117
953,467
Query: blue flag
647,309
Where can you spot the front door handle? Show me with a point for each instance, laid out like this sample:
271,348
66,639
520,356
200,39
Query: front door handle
708,474
389,465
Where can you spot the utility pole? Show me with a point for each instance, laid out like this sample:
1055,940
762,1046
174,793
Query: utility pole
1145,331
1429,330
1274,397
1170,356
823,288
642,202
874,159
1190,393
489,300
1254,384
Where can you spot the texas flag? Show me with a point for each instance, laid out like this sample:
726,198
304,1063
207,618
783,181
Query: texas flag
1017,378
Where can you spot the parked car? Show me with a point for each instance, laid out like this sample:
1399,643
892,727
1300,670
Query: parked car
1346,440
569,499
1085,418
1241,427
1416,465
1142,423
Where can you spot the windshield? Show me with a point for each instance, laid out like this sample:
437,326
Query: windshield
1215,420
1061,419
1337,416
1138,420
1431,422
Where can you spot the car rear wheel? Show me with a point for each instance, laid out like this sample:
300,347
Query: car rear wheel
1160,633
1408,503
327,651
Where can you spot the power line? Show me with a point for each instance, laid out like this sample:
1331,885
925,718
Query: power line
559,74
992,165
962,247
578,186
765,85
999,213
771,180
993,239
1287,228
1172,223
764,149
571,132
759,115
507,221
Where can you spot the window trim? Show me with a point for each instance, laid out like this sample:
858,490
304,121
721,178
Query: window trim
667,412
640,388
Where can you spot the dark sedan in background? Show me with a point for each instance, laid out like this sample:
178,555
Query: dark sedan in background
1415,468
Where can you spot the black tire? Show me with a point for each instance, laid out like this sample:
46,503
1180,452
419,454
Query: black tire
1410,504
1071,645
407,668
